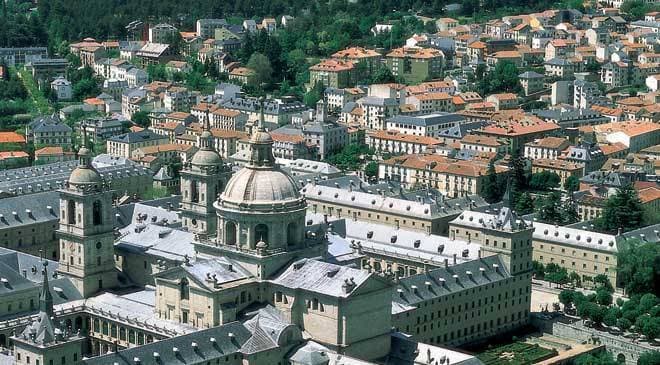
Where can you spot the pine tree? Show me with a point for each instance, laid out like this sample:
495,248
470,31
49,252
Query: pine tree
549,210
525,204
490,190
623,210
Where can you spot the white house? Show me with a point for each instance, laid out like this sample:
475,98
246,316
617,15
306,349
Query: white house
62,88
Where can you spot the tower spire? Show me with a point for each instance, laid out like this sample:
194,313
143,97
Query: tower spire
45,298
262,119
206,139
508,195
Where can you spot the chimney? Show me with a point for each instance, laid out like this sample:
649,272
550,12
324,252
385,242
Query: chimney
483,271
446,263
619,231
496,267
414,289
400,291
325,218
479,252
455,277
454,259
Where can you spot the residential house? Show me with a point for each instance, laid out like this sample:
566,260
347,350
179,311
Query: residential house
124,145
415,64
548,148
62,88
333,73
47,155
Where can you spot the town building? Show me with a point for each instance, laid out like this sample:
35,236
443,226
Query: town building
415,64
124,145
429,125
49,131
453,178
549,148
563,169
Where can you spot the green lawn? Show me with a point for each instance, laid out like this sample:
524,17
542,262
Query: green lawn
40,104
518,353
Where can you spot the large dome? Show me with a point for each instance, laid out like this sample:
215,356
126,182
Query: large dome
260,186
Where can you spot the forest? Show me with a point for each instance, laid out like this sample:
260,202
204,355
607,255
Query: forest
67,20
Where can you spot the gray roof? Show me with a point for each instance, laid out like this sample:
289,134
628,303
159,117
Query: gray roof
459,131
427,120
413,290
48,124
49,177
530,75
29,209
210,344
558,62
394,204
414,245
322,278
375,100
644,234
157,241
568,114
270,106
134,137
606,178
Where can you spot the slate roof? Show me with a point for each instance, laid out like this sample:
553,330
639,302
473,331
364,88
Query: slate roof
427,120
459,131
49,177
321,277
394,205
135,137
418,246
213,343
270,106
29,209
413,290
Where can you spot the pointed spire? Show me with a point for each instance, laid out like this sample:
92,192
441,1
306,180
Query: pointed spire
508,194
206,138
45,298
262,119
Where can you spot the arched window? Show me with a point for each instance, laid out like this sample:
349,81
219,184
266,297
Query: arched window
230,233
292,234
184,289
96,213
71,212
260,233
194,191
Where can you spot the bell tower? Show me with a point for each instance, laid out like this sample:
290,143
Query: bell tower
203,178
86,229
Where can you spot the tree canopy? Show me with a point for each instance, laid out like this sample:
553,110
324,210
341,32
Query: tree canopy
622,210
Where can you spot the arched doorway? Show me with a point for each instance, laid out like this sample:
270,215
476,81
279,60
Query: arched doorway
230,233
3,340
621,358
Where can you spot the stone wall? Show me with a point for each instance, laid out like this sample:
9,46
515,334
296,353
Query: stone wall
621,348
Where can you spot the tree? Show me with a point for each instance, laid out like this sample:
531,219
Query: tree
263,72
638,267
544,180
155,193
549,210
634,9
371,170
647,301
382,75
491,190
539,269
525,204
649,358
600,358
604,282
502,79
141,118
566,297
622,210
603,297
651,328
572,183
623,323
314,95
612,315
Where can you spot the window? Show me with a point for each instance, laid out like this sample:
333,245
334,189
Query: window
96,213
184,289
